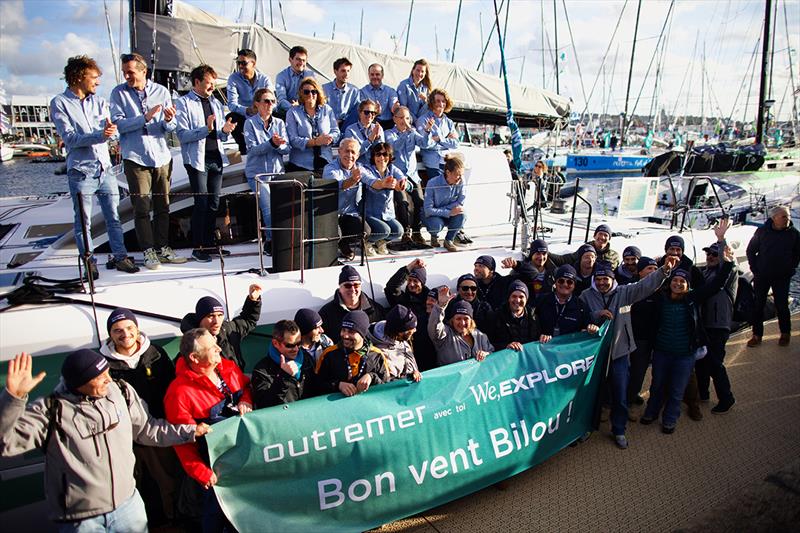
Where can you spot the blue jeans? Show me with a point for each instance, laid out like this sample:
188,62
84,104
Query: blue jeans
619,394
453,224
263,203
384,230
671,371
207,186
102,187
128,517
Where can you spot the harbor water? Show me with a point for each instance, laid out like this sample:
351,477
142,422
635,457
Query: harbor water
22,177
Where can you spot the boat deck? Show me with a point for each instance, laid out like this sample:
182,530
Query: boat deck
736,472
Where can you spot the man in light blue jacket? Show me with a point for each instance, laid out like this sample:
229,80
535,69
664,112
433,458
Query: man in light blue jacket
287,82
83,123
343,97
378,91
242,86
143,113
201,129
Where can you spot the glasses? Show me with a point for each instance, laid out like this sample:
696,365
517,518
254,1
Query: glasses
565,281
351,285
369,113
242,63
310,91
291,345
268,101
470,288
382,154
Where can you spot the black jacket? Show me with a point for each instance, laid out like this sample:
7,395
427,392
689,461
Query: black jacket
333,312
569,318
697,279
149,379
395,296
504,328
272,386
233,331
494,293
642,314
538,283
333,367
774,254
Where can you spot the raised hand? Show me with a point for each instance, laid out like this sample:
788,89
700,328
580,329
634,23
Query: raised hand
508,262
444,296
375,132
416,263
152,112
254,291
20,380
723,224
229,126
671,261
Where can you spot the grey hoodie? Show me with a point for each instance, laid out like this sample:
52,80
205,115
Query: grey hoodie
450,347
619,300
89,457
399,355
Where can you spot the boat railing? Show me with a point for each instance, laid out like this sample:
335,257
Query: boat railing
681,208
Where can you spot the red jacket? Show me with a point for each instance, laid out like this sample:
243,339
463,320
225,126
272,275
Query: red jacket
189,400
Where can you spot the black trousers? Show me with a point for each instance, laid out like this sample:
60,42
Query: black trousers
238,131
712,366
351,228
408,208
780,293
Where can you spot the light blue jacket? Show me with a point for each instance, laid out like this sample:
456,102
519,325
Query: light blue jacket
241,92
342,101
441,197
349,199
384,95
358,132
144,144
80,125
380,202
192,130
262,155
408,95
442,127
300,132
404,145
287,82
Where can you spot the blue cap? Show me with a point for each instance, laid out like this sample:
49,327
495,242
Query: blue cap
348,273
82,366
517,285
632,251
487,261
120,313
357,321
539,245
207,305
605,228
603,268
566,272
645,262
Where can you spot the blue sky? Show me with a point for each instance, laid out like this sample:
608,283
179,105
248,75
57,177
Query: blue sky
36,37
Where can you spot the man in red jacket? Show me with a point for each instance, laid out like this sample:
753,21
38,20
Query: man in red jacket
207,388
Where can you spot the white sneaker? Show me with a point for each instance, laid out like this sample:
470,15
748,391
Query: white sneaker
167,255
151,259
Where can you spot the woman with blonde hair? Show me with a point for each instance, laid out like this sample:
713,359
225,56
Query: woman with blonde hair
312,129
440,129
413,91
453,331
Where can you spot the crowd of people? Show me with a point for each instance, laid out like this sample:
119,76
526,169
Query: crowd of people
665,314
295,124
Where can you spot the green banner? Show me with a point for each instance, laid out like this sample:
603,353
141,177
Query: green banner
334,463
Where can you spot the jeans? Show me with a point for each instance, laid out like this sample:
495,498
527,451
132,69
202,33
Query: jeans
149,189
436,224
640,360
263,203
619,394
384,230
712,366
780,293
105,189
207,186
670,376
128,517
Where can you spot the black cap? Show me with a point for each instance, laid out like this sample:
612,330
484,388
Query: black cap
207,305
120,313
399,319
81,367
349,273
358,321
307,320
487,261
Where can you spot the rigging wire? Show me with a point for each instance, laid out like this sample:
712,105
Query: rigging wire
744,78
114,56
575,52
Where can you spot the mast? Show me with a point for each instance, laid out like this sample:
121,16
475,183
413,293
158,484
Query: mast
630,75
555,29
408,26
541,27
455,36
791,72
765,54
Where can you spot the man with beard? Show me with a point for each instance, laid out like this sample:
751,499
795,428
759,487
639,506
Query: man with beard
628,270
393,337
348,297
536,271
414,276
491,284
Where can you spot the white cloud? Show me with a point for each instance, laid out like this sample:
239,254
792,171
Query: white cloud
302,12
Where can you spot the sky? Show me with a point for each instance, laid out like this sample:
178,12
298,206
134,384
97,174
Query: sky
37,36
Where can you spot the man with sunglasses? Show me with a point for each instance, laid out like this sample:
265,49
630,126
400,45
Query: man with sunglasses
287,82
468,290
242,86
348,297
561,312
143,113
283,376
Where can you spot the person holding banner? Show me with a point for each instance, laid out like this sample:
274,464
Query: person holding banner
353,364
561,312
393,337
459,339
603,301
348,297
467,290
282,376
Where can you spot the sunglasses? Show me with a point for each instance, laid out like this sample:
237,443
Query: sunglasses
242,63
291,345
369,113
382,154
351,285
310,91
268,101
470,288
565,281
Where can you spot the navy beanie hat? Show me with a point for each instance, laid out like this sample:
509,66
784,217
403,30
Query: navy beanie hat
399,319
675,240
82,366
487,261
307,319
207,305
433,293
645,262
632,251
419,273
603,268
348,273
538,245
358,321
604,228
120,313
464,278
566,272
681,273
517,285
585,248
458,307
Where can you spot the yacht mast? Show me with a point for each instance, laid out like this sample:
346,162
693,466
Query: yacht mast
630,75
765,55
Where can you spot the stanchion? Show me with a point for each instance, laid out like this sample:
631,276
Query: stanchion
87,258
218,238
